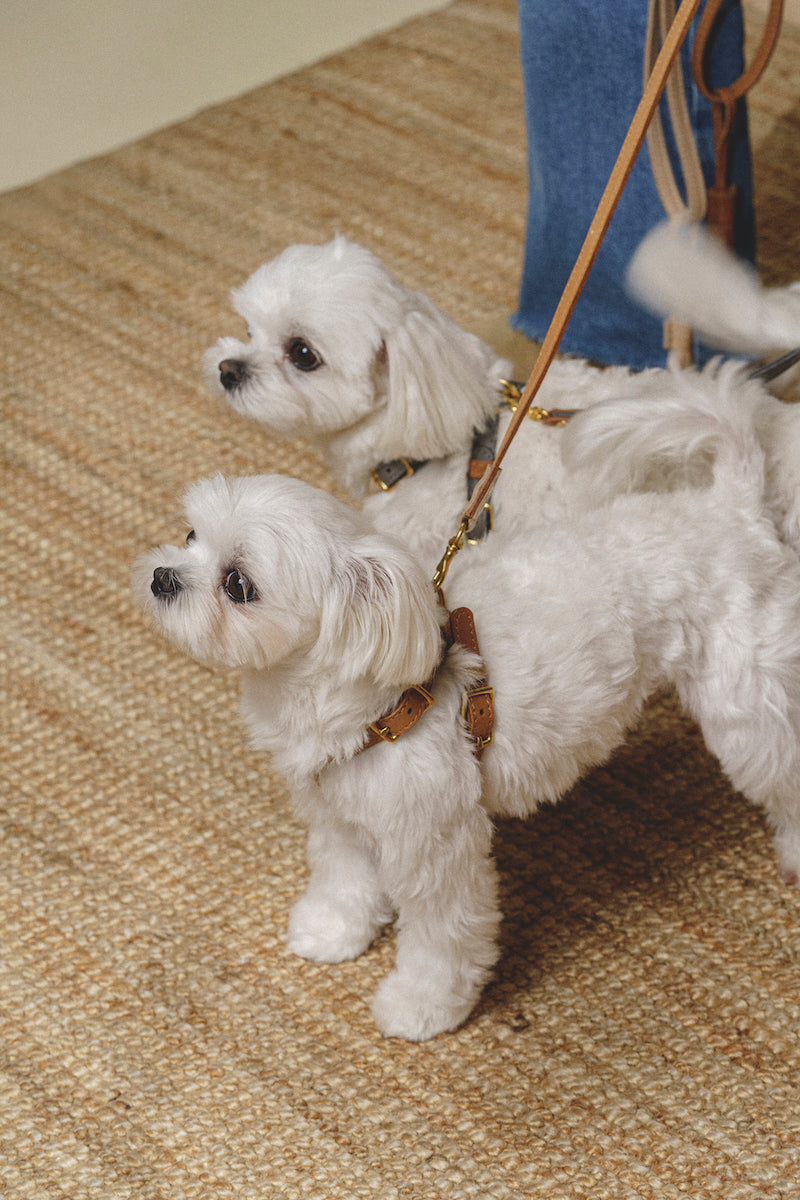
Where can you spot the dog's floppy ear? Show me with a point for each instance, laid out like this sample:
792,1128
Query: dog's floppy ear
439,381
381,619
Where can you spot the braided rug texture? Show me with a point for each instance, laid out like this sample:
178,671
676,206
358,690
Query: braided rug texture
642,1035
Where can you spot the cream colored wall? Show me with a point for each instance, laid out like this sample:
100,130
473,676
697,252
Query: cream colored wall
79,77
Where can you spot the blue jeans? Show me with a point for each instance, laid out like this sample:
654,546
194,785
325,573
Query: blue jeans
582,73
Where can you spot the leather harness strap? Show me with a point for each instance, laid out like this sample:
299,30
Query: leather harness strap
484,446
392,725
388,474
477,707
484,443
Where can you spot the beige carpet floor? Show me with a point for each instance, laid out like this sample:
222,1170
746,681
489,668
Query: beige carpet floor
642,1035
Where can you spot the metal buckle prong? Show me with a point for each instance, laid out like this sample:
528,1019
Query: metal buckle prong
383,732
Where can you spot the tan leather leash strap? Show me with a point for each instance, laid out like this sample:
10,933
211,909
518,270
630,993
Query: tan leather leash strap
722,195
591,245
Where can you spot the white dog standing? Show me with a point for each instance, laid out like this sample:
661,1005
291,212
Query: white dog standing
371,372
332,621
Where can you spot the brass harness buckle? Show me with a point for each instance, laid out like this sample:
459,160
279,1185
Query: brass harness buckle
387,487
486,690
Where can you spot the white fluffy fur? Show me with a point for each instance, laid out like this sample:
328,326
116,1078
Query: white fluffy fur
578,624
683,271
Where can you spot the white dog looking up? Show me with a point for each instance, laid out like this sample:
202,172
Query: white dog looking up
331,621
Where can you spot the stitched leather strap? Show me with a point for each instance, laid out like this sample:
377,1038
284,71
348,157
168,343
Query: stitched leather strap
677,335
388,474
477,707
413,704
660,15
484,445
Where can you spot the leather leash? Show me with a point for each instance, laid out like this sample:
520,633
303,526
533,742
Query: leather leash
719,200
478,703
588,253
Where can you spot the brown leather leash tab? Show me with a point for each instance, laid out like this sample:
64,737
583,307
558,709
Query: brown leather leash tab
723,100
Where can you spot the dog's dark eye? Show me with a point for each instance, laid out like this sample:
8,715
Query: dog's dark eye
191,535
239,587
303,356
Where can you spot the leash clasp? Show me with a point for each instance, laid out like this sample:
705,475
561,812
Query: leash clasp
512,394
453,547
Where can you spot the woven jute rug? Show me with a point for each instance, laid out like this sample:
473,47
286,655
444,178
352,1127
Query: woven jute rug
641,1036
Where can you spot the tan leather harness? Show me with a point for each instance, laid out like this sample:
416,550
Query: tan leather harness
477,708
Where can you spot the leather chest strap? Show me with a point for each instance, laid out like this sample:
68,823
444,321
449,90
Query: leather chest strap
477,705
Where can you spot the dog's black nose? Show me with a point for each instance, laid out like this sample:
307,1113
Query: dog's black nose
232,373
166,583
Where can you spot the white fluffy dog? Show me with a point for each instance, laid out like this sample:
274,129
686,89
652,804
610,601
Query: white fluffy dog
332,621
369,371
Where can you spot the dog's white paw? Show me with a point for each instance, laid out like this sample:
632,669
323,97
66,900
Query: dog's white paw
416,1011
324,931
787,846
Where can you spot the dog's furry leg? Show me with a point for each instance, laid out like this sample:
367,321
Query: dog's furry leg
448,922
343,908
748,709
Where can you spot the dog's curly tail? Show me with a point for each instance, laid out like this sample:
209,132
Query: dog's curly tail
682,271
700,431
